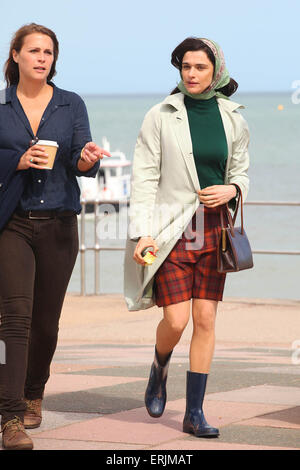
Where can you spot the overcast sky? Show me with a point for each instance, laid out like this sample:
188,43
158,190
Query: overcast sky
119,46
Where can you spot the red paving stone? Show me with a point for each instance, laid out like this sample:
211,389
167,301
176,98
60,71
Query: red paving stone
128,427
222,413
63,383
59,368
55,444
260,394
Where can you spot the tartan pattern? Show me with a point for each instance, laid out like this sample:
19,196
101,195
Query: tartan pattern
192,273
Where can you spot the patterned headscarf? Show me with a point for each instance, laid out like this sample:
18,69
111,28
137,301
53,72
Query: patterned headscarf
221,75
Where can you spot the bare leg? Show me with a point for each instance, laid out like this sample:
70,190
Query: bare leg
168,333
203,340
171,327
201,353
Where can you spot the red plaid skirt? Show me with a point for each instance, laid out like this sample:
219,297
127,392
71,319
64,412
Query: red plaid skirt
190,269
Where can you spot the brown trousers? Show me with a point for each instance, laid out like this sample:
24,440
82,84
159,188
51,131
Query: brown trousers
37,258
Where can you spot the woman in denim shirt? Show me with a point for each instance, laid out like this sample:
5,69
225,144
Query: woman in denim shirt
38,221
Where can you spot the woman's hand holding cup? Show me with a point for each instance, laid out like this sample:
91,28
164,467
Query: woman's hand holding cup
32,157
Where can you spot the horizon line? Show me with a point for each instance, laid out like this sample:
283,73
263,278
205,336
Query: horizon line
285,92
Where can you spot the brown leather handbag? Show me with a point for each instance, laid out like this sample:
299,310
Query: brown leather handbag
233,250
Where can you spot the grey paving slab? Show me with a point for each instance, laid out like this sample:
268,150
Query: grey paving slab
286,418
93,401
284,352
256,435
131,371
261,394
55,419
278,369
236,363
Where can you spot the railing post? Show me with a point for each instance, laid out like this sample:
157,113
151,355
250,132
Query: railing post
82,249
97,250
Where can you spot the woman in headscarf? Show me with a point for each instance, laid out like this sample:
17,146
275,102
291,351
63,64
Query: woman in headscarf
191,159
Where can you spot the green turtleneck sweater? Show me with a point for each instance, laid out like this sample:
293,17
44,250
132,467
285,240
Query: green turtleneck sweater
208,139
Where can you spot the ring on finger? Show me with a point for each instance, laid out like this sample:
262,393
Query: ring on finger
31,160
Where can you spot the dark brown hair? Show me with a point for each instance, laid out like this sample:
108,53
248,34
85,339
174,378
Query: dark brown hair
195,44
11,68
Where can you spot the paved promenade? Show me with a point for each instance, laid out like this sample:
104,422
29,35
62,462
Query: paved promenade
94,398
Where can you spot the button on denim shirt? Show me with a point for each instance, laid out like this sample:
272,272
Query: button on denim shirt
65,121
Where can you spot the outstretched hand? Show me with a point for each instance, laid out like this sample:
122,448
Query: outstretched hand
91,153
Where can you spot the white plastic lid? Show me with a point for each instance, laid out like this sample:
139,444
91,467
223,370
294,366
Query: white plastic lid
48,142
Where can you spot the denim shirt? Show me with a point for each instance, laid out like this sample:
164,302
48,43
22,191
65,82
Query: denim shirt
65,121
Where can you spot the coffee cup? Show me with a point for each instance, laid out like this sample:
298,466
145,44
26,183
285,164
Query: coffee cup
50,147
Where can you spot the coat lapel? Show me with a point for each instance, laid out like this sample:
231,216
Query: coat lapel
226,107
182,131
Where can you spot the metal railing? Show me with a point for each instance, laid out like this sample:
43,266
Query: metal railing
273,203
97,248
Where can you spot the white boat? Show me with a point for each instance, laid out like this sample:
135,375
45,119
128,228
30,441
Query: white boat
112,182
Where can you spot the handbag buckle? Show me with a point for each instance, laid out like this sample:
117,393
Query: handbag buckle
223,239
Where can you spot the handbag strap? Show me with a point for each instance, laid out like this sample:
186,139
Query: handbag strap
231,219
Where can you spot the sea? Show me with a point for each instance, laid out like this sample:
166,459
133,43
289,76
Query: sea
274,124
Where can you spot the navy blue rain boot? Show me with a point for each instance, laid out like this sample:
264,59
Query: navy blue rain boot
156,394
194,420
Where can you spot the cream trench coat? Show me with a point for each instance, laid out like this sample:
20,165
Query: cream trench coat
165,184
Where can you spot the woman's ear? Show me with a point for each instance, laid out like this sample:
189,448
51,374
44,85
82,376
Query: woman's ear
15,55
